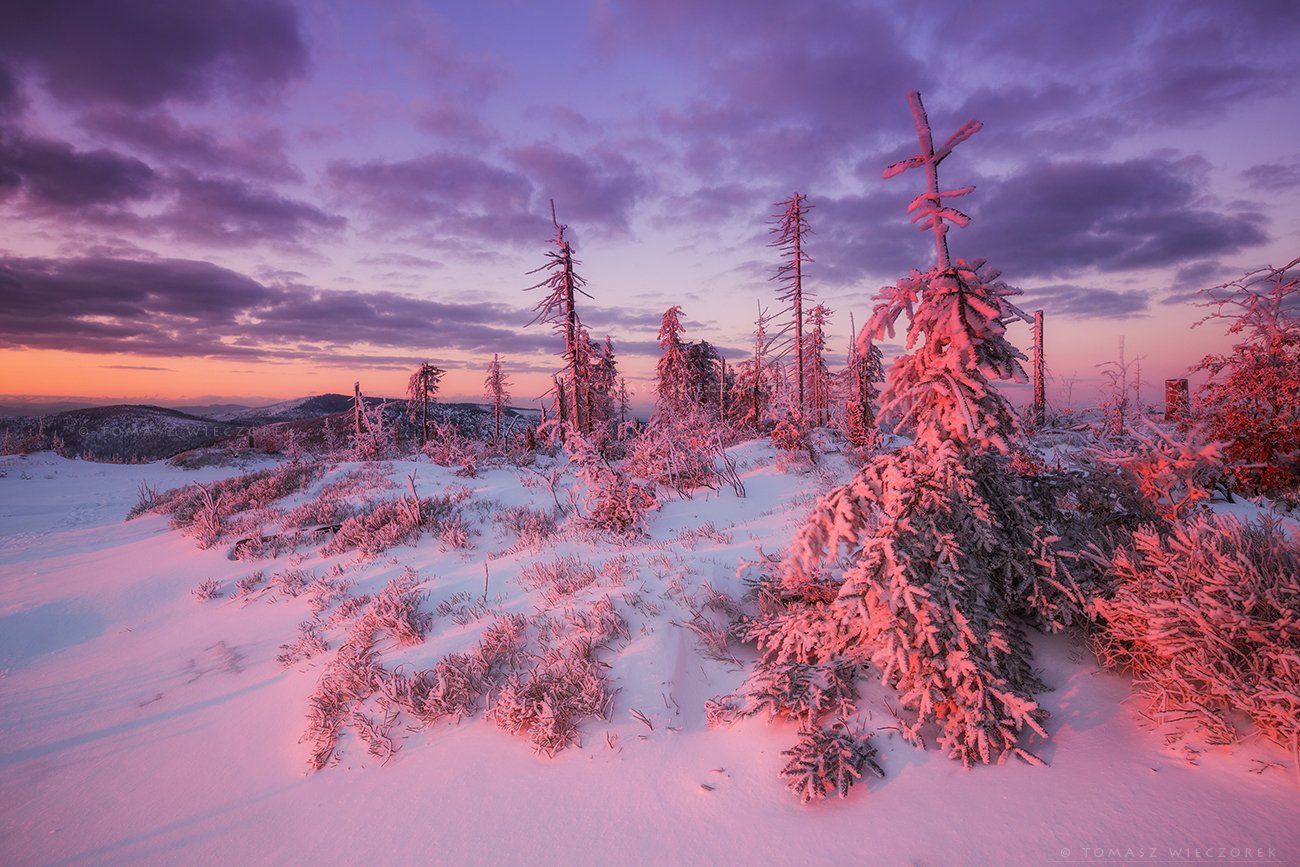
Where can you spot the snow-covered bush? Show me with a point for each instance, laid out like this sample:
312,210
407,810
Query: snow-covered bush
1205,618
387,524
1175,472
207,590
934,560
534,527
787,437
557,578
614,502
826,760
309,643
204,511
566,685
1252,399
333,503
677,449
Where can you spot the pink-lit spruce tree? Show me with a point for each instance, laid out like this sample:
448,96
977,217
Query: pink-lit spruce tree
496,389
931,563
865,369
421,389
752,391
672,376
1252,398
817,390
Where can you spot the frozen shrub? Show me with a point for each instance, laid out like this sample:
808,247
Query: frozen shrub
333,504
387,524
1204,617
454,533
248,585
787,437
1175,473
548,703
826,760
203,511
207,591
396,610
308,644
614,502
677,450
1252,398
291,582
534,527
802,692
355,674
557,578
449,447
325,591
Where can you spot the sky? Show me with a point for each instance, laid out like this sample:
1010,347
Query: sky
250,200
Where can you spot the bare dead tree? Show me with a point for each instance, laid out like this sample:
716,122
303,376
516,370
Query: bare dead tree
1040,390
790,227
928,208
558,308
358,413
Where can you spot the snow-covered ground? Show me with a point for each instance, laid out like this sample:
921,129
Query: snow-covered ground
138,724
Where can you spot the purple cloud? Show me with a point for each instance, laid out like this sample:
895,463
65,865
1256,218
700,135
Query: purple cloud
141,54
232,211
599,187
1083,302
1273,177
1055,218
160,136
52,175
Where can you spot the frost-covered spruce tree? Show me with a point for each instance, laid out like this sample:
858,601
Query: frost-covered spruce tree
865,370
673,372
817,386
931,563
496,389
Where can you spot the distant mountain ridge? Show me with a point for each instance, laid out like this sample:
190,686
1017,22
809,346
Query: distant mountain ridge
143,432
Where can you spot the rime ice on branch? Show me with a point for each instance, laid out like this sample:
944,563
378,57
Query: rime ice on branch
957,312
558,308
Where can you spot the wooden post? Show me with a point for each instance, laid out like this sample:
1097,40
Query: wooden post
722,388
1040,389
356,406
1178,402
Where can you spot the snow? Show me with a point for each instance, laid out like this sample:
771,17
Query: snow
140,725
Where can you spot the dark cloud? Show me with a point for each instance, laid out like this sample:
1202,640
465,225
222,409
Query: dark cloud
1056,218
466,197
160,136
179,308
792,89
11,98
1083,302
442,187
53,175
231,211
141,54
